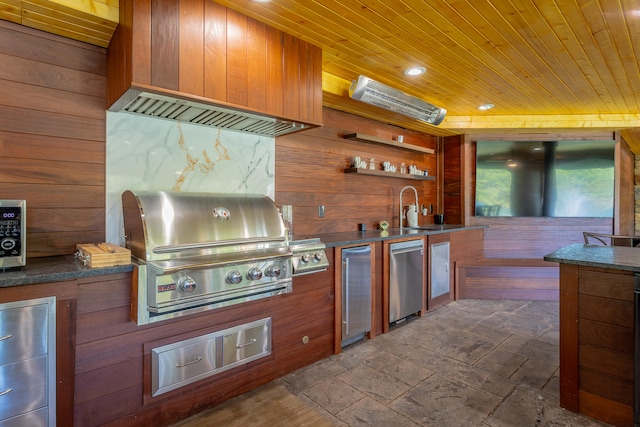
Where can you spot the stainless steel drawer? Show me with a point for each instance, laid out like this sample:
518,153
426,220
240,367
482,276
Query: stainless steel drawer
23,386
246,343
37,418
185,362
23,332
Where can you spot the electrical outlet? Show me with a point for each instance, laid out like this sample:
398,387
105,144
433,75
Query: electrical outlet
321,211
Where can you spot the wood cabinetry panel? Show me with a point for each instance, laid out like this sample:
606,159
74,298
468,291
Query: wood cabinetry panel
204,50
191,43
596,343
215,51
606,335
598,383
606,284
165,37
606,310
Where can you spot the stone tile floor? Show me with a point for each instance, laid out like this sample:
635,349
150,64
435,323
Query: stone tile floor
470,363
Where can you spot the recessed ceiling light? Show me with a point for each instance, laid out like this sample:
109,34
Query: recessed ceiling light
415,71
484,107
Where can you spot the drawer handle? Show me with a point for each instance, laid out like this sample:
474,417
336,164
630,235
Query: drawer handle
7,391
6,337
253,341
182,365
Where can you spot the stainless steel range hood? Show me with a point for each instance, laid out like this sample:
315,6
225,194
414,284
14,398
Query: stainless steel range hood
164,107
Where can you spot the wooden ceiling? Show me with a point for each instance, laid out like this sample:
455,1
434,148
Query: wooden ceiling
546,65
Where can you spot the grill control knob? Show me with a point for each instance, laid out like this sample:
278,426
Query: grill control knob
234,277
318,256
304,258
187,284
254,274
273,271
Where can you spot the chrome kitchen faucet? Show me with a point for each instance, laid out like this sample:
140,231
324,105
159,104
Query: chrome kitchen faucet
401,191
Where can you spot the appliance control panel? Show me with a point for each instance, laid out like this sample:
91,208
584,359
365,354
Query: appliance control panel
12,233
308,257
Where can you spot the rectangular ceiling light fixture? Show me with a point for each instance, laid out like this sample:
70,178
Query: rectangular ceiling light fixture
372,92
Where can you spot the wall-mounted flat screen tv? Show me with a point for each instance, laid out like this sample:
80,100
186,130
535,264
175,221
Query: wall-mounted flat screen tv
548,179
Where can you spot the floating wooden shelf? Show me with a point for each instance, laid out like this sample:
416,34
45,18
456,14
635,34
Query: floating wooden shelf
376,140
376,172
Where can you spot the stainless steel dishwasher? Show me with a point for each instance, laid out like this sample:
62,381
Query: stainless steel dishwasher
406,278
356,293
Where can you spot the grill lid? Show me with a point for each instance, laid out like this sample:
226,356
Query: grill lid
166,226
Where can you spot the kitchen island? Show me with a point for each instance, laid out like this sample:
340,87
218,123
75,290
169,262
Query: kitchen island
597,330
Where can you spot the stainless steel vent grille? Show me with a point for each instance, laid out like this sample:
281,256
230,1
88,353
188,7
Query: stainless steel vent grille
153,105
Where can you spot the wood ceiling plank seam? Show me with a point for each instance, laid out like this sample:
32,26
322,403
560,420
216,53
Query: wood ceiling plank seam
585,59
568,39
419,26
491,83
494,64
98,29
607,47
280,14
66,13
38,24
616,24
537,30
390,50
574,15
522,28
11,10
485,78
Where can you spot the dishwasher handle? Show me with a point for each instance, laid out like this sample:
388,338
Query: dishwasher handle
406,250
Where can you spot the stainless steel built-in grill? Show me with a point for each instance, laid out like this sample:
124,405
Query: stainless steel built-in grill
198,251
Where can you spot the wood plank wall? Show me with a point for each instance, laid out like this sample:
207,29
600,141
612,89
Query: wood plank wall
310,172
52,136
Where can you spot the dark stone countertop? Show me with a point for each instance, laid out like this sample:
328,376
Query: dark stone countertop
612,257
62,268
361,237
54,269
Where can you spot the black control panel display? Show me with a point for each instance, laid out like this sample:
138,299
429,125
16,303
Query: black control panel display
10,231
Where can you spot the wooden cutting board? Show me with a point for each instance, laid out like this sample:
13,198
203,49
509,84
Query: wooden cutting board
102,254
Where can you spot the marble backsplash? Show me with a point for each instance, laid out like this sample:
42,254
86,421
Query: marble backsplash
155,154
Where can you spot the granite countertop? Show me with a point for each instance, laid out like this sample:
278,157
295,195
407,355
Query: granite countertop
55,269
612,257
375,235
